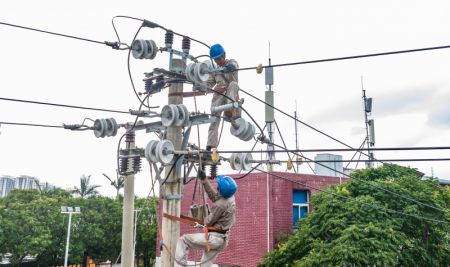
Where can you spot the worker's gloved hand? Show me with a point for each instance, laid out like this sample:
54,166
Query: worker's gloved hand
230,67
201,174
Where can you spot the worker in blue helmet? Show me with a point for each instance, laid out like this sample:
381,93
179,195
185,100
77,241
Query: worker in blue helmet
225,83
221,218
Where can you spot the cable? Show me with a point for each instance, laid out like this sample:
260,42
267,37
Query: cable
386,160
360,147
339,149
30,124
371,184
62,105
111,44
129,70
349,57
311,127
245,175
171,169
243,109
351,199
284,144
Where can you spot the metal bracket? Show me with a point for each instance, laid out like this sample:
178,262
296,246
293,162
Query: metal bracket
178,53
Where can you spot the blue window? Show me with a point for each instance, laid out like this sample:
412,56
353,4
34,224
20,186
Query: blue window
300,205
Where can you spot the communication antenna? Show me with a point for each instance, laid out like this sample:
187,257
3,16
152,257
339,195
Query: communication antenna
370,125
270,118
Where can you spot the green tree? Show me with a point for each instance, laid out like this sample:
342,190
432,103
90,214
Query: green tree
146,230
118,184
99,231
85,189
24,224
347,227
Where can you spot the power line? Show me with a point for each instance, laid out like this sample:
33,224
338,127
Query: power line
114,45
365,160
352,199
304,123
62,105
350,57
369,183
337,149
30,124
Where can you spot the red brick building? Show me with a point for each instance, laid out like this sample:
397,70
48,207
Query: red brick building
253,235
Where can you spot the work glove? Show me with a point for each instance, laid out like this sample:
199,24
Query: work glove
201,174
230,67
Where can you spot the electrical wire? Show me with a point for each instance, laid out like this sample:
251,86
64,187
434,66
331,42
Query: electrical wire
30,124
339,149
350,57
371,184
129,69
352,199
111,44
307,125
62,105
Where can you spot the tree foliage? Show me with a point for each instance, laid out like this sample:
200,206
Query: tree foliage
31,224
85,189
354,224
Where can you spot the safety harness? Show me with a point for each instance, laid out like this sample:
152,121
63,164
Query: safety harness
192,221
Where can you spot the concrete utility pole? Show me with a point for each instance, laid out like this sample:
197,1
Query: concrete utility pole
172,187
128,207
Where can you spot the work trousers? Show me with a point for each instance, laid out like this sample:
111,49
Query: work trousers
218,100
217,243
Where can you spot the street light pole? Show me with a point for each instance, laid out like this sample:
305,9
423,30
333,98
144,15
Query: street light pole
70,211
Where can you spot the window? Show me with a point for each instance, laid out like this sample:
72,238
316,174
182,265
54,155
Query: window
300,205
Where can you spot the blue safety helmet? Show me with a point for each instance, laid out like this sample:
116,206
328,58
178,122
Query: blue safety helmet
226,186
216,51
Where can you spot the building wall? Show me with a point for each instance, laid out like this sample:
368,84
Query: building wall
249,239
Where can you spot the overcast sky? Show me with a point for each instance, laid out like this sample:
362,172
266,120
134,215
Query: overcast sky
410,92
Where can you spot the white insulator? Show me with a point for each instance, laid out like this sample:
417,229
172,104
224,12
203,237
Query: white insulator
232,105
246,163
202,71
169,114
164,151
186,114
150,151
190,72
180,120
235,161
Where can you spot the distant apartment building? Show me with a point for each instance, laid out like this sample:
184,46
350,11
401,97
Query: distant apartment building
8,183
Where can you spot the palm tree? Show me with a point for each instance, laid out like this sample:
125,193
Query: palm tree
118,183
85,189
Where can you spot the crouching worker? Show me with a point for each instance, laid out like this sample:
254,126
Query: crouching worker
220,221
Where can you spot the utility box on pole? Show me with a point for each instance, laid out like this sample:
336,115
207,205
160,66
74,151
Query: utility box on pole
172,187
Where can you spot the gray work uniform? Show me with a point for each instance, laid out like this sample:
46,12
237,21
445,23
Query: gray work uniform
222,216
225,83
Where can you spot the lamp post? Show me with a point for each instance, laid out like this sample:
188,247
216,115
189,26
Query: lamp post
70,211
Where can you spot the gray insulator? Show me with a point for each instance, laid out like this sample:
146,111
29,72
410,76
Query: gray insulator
239,127
100,126
139,48
151,51
249,134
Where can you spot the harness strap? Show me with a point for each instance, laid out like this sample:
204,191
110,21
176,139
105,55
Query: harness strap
192,221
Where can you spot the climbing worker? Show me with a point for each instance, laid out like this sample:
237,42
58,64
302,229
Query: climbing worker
219,223
222,83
